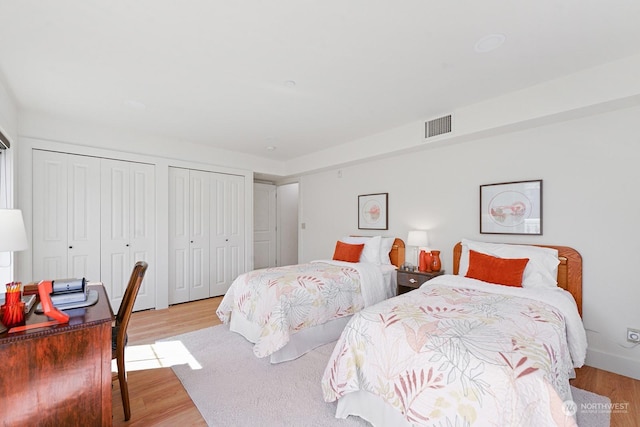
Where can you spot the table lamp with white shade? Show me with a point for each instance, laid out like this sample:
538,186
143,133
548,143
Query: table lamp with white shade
13,236
419,239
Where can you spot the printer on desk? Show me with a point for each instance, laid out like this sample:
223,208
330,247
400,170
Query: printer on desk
68,291
67,294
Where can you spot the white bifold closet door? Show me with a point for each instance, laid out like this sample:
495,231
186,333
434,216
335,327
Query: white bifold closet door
227,231
66,216
206,233
188,235
93,218
127,228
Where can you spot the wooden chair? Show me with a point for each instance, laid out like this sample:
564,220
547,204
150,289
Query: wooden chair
119,331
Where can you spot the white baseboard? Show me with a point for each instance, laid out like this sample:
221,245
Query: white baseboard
612,363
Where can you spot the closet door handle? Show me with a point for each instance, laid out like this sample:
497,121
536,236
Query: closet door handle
70,247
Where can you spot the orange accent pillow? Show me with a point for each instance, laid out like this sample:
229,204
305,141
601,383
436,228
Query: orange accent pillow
347,252
501,271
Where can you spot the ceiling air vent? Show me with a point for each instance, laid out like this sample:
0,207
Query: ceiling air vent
437,126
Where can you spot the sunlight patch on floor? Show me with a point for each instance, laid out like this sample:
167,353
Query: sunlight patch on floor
162,354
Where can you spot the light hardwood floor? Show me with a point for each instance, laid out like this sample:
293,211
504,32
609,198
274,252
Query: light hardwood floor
158,398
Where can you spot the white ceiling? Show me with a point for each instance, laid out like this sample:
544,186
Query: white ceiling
218,72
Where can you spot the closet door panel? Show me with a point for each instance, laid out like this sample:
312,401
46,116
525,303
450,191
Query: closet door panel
179,273
128,223
66,219
142,230
219,272
200,232
235,215
227,223
115,229
84,218
179,235
236,228
50,224
117,269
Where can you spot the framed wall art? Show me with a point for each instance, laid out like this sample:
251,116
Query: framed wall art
511,208
372,211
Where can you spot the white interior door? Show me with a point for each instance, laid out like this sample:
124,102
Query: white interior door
115,229
142,230
179,235
264,225
287,236
235,224
50,236
128,228
66,216
227,231
199,236
83,218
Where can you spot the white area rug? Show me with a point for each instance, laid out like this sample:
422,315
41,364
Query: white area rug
232,387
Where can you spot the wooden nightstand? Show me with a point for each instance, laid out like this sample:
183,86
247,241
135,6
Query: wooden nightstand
410,280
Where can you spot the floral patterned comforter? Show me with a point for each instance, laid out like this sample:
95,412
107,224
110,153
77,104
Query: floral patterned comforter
283,300
456,352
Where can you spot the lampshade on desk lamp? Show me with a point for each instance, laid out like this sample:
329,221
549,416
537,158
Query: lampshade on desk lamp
13,236
418,239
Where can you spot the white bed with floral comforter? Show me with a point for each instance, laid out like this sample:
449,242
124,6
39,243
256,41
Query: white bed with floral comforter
459,352
311,301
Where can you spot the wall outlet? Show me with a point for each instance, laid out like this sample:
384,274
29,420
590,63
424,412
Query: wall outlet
633,335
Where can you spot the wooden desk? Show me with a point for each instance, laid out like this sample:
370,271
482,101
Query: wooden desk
59,375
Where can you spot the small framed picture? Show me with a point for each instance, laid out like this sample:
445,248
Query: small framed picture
372,211
511,208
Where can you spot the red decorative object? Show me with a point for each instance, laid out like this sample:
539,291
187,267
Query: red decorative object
44,291
13,307
422,261
436,264
428,257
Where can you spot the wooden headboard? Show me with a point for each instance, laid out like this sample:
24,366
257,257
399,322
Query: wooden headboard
397,252
569,270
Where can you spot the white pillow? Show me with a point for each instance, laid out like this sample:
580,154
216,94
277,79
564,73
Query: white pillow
385,247
541,270
371,251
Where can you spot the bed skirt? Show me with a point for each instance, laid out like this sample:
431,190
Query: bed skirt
299,343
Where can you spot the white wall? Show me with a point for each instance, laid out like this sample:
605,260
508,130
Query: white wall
595,90
35,125
589,168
